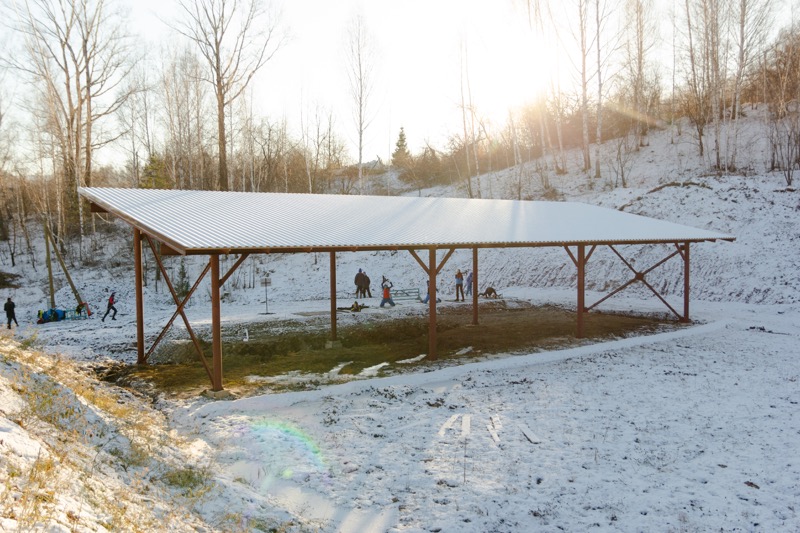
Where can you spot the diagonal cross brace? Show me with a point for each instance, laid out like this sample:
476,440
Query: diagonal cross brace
179,311
426,268
640,276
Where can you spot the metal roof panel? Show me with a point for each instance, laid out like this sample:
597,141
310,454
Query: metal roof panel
214,220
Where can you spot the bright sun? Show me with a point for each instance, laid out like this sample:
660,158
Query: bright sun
510,65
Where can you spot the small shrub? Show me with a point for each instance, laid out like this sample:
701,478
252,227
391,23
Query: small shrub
191,481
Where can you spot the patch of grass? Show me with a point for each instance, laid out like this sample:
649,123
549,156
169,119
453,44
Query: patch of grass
30,342
49,401
39,486
237,522
299,349
192,481
8,280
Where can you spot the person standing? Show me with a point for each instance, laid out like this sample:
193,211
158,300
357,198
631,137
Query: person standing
359,281
10,313
111,302
367,283
459,285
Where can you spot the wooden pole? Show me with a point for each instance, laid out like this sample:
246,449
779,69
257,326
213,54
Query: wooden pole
216,344
137,267
474,286
333,296
685,283
64,269
432,303
581,286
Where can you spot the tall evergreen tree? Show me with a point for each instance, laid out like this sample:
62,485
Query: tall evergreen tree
401,157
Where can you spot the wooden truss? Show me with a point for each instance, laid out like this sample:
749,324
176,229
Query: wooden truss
580,257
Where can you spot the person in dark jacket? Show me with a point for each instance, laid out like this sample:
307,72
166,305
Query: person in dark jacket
10,313
367,283
111,302
359,281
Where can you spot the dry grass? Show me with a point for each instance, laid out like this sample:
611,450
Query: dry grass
299,348
83,428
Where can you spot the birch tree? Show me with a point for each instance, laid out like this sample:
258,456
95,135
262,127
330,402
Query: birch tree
585,47
640,40
699,80
361,63
235,38
752,20
602,10
76,55
185,104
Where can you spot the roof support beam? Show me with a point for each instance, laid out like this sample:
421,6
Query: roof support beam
333,295
233,268
179,311
581,264
432,303
685,254
420,261
474,287
139,284
216,329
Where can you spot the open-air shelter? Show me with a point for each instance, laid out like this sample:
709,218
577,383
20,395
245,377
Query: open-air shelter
214,223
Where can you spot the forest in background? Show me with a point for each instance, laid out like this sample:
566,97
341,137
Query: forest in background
185,121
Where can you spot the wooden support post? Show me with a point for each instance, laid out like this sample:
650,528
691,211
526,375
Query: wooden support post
432,304
137,268
474,286
333,296
581,286
685,283
216,329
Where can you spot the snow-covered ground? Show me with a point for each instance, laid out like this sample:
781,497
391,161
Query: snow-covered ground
691,430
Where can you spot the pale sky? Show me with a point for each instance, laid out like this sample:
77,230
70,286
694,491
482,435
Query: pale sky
417,80
417,76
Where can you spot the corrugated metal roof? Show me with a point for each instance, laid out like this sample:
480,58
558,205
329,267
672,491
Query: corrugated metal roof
200,221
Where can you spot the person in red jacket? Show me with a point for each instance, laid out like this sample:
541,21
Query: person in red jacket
111,302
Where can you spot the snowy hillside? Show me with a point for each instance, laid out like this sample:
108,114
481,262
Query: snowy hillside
691,430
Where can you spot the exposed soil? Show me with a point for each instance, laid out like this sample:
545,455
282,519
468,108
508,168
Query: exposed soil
8,281
298,349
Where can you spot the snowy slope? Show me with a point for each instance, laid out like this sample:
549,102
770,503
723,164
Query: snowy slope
692,430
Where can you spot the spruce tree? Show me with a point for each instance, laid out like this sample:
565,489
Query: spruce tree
182,286
401,156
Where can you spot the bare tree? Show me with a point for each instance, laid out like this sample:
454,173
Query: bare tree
752,20
585,49
314,139
137,119
602,16
464,82
185,106
697,97
76,55
361,63
640,40
471,124
540,18
235,41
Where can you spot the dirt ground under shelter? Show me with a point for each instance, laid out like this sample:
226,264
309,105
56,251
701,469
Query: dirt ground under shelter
292,354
